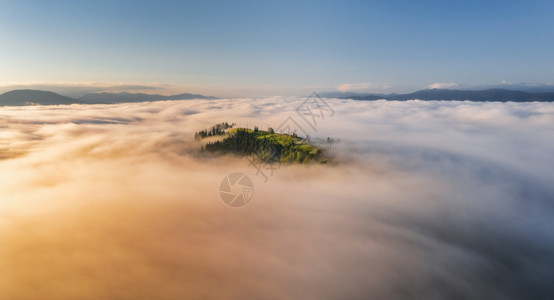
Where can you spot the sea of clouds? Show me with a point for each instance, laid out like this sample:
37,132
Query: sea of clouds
426,200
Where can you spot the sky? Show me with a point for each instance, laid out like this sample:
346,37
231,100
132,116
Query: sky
261,48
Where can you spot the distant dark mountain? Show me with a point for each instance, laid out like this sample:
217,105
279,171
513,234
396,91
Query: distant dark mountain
524,87
130,97
497,95
34,97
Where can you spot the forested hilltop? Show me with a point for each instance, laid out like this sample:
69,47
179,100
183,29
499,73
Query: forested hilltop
268,146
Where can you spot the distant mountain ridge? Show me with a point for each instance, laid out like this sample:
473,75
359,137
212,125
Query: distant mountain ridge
36,97
132,97
489,95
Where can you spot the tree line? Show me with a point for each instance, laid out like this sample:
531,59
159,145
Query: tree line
266,149
218,129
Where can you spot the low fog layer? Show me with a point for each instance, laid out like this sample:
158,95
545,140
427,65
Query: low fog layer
428,200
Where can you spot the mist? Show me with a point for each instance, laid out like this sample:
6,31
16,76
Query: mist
423,200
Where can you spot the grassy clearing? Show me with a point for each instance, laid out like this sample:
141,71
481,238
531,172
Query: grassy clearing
267,146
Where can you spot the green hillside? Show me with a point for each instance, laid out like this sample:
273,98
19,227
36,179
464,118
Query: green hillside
267,146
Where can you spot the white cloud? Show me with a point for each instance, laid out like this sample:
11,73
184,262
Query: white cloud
115,201
443,85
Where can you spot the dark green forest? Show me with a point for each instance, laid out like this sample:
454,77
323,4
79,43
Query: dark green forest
218,129
267,146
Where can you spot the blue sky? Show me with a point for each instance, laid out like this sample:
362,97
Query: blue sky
256,48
